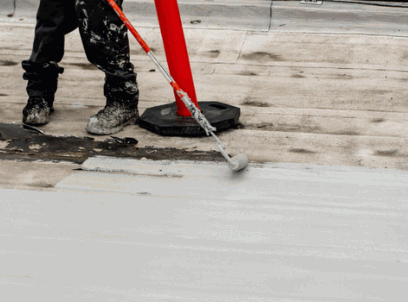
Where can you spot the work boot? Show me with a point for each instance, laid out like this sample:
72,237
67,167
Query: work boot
112,119
37,111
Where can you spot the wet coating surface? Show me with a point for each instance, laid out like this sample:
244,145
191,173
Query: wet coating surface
22,144
168,231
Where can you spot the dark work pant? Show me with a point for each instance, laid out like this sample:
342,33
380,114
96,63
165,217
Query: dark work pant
105,40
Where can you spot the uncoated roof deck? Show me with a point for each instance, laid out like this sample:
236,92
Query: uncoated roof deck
323,84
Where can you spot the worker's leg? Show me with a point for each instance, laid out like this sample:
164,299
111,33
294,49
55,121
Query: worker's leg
55,18
106,44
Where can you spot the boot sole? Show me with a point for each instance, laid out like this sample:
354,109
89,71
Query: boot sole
113,130
39,120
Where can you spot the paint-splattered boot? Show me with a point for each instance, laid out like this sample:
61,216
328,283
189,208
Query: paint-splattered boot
37,111
41,87
112,119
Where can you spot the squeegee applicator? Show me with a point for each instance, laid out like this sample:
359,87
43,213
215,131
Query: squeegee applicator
235,163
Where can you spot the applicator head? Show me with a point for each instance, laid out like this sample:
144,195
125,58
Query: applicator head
238,162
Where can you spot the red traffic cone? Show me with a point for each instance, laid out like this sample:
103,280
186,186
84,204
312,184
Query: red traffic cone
175,119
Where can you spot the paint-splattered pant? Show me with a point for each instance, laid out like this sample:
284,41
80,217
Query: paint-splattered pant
105,40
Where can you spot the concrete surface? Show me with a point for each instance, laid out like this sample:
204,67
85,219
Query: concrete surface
182,231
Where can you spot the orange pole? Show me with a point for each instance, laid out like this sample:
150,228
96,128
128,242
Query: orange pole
176,51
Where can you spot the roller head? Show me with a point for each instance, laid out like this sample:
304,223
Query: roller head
238,162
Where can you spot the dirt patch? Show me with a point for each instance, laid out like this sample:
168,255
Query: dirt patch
351,133
8,63
300,150
284,128
376,92
261,126
247,73
404,56
262,56
213,54
255,104
41,185
392,153
377,120
297,76
297,128
343,76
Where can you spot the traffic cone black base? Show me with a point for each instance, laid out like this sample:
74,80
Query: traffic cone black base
164,120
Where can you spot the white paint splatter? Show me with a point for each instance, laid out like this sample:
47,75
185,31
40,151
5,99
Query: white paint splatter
113,27
85,24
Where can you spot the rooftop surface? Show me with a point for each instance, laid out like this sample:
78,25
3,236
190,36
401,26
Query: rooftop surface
320,214
321,84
